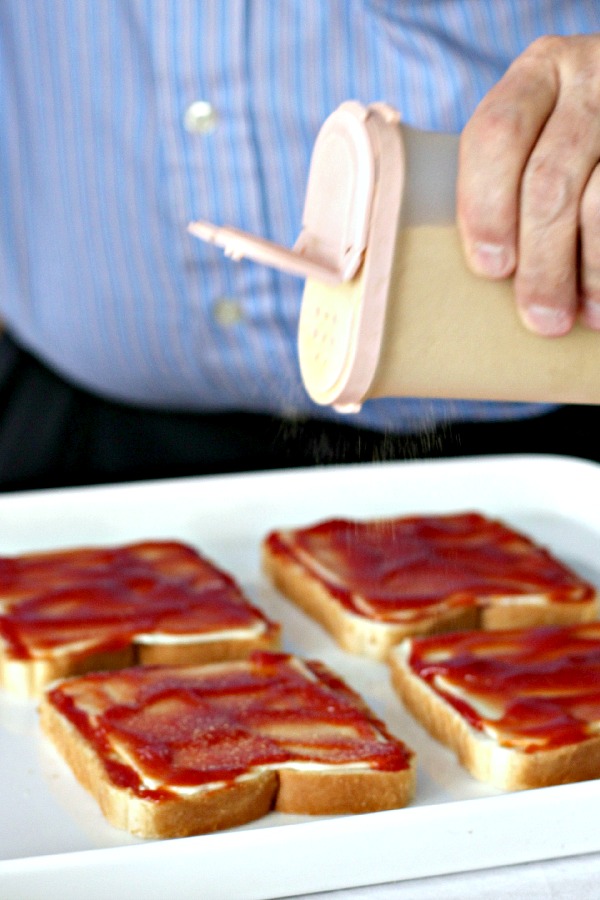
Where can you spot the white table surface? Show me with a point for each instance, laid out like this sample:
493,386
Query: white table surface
572,878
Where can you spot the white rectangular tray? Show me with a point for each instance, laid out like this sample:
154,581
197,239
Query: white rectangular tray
55,843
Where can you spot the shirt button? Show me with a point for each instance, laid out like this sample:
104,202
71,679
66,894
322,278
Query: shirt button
200,117
227,311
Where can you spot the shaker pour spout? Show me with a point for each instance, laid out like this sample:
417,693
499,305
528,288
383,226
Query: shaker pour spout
337,209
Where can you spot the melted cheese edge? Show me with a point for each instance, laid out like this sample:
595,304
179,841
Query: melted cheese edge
255,630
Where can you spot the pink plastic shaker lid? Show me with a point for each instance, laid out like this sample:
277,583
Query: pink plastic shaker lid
349,225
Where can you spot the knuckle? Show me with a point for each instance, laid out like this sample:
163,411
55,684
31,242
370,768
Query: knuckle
584,72
548,189
487,217
540,284
537,69
547,273
547,45
496,126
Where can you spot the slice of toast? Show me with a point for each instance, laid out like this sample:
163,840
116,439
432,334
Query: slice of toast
520,708
373,583
72,611
172,751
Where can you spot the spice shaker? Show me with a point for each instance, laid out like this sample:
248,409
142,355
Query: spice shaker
390,308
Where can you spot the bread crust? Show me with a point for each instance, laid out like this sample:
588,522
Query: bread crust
507,768
333,793
299,788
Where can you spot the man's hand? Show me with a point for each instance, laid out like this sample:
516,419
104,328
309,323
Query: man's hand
529,183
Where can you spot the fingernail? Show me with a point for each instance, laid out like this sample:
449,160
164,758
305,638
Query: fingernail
547,320
493,260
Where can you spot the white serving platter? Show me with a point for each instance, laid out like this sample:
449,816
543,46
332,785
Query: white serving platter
54,842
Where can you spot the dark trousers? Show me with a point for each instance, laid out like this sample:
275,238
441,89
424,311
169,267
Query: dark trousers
53,434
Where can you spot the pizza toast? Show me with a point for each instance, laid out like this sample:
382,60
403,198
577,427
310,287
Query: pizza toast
373,583
520,708
172,751
66,612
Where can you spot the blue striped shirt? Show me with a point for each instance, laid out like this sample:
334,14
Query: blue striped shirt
99,175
